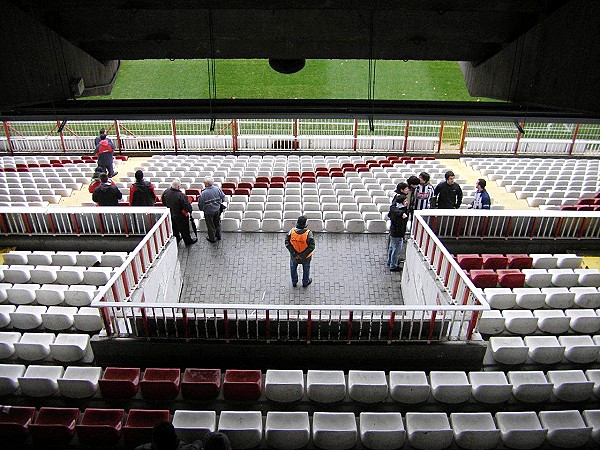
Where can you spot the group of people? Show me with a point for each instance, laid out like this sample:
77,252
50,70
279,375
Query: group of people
417,194
164,437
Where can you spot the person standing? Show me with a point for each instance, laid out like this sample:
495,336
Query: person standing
413,183
448,193
398,219
482,198
181,209
104,151
141,193
97,139
106,194
300,242
424,192
210,201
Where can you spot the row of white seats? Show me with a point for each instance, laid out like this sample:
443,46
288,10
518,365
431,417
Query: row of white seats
538,298
53,318
65,258
254,225
55,294
571,349
63,347
19,276
525,322
543,278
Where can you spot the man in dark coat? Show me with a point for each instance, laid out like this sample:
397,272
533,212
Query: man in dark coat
181,209
449,194
141,193
107,194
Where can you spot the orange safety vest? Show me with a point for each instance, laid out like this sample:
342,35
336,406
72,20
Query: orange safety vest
299,241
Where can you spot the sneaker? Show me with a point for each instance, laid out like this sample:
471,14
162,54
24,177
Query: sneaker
209,240
192,242
309,281
395,269
115,174
294,284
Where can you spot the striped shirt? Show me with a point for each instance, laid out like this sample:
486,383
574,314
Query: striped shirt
423,195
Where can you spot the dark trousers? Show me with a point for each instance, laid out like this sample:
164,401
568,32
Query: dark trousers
106,160
181,228
213,225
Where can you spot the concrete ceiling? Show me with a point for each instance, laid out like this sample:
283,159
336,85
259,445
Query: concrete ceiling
529,52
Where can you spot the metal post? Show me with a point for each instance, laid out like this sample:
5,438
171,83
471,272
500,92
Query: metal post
119,146
463,135
62,137
295,131
354,143
174,130
519,134
440,137
234,134
406,134
575,133
5,124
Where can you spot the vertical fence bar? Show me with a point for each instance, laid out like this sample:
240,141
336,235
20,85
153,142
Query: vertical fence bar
7,134
519,134
463,135
118,134
575,133
440,136
62,137
355,135
406,134
174,132
295,131
234,134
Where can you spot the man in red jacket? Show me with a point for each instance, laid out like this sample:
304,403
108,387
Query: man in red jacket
104,152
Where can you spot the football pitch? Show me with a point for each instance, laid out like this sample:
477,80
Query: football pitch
320,79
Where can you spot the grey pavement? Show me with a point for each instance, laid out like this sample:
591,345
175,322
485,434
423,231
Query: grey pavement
347,269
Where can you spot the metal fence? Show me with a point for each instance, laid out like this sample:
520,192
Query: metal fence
315,135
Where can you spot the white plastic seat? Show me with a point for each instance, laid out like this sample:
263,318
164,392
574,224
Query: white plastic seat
27,317
18,257
428,431
521,322
592,419
376,226
520,430
544,349
355,226
500,298
80,295
491,322
450,386
530,298
40,381
250,225
113,259
64,258
508,349
474,431
583,321
88,259
315,225
243,428
97,276
588,277
490,387
564,277
334,225
3,288
543,261
537,278
229,224
530,386
7,343
59,318
568,261
22,294
43,274
79,382
287,430
586,297
17,274
367,386
284,385
334,431
579,349
193,425
34,346
88,319
70,347
381,431
51,294
70,275
409,387
570,385
5,311
552,321
326,386
9,377
40,258
566,429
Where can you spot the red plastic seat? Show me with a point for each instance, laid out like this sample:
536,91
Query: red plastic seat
519,261
100,426
201,384
14,422
261,184
245,185
582,201
569,208
228,191
58,164
429,158
54,426
349,169
160,384
277,180
485,278
241,191
122,157
293,179
138,428
309,180
469,261
45,165
511,278
119,382
277,184
33,165
307,174
263,179
386,164
409,161
22,169
194,192
242,384
321,174
494,261
585,208
362,169
228,184
11,169
291,174
346,165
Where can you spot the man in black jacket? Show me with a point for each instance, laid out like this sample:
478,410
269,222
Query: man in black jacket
141,193
399,217
181,209
107,194
448,193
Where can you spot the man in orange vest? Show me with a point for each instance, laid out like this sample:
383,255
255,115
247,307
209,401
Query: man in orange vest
301,244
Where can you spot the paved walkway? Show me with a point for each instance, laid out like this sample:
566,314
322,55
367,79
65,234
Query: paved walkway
254,268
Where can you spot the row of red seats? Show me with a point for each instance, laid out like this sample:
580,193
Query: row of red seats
96,427
196,384
489,278
590,201
471,261
580,208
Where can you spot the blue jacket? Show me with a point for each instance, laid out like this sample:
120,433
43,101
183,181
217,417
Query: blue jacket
211,199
